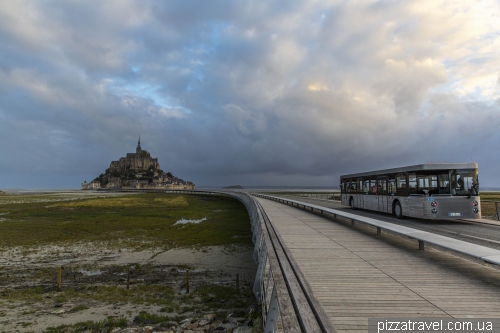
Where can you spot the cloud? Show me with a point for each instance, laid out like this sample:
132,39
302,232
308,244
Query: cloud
246,121
254,93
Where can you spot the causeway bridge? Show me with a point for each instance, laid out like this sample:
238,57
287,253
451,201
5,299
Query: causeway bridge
330,270
324,268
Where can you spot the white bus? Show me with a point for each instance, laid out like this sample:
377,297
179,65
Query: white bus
427,191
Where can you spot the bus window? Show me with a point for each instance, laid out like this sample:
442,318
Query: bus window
372,187
427,184
353,186
391,184
412,183
444,183
366,186
464,182
401,188
359,181
382,186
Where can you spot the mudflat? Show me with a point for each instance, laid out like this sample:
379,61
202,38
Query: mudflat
124,261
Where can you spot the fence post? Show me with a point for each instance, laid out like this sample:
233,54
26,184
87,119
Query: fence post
237,283
498,213
187,281
59,278
128,277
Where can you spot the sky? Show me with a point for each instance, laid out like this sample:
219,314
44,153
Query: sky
252,93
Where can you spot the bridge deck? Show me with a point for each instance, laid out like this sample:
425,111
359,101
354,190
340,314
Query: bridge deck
357,275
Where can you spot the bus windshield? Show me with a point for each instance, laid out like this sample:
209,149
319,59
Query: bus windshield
464,182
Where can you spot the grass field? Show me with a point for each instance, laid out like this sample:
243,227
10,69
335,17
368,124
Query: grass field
137,221
90,233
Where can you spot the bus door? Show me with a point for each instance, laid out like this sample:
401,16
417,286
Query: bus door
382,195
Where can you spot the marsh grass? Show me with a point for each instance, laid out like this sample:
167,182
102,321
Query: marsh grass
35,224
216,296
79,307
90,326
140,294
488,209
139,221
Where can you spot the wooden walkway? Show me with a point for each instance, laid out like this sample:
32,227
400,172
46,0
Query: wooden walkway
357,275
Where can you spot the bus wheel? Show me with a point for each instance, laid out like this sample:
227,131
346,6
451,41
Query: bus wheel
351,203
398,211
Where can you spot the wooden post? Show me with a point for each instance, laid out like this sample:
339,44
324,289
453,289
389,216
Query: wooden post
59,278
187,281
128,277
237,283
498,214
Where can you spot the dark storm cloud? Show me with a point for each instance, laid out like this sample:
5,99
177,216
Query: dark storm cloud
252,93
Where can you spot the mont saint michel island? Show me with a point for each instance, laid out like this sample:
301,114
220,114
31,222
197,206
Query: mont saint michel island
137,171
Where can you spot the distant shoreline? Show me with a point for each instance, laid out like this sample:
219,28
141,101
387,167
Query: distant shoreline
251,188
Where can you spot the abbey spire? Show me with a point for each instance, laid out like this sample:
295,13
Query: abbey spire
138,149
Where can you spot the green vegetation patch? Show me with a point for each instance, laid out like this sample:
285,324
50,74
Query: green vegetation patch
138,221
140,294
212,296
90,326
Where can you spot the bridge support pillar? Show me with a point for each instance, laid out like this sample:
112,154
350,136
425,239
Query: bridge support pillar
421,245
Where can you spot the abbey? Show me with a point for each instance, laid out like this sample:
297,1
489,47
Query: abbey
136,170
140,160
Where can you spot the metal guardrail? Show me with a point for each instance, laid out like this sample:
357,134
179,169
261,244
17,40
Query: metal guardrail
325,196
288,304
299,193
488,255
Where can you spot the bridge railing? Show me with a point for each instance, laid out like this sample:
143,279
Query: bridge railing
287,301
486,254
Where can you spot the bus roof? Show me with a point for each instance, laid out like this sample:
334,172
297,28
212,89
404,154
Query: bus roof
419,167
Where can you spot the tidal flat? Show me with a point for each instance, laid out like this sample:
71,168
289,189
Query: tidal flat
124,261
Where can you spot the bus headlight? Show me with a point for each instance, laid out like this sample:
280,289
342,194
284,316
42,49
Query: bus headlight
475,210
434,210
434,204
474,203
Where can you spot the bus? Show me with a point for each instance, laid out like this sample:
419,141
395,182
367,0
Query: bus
426,191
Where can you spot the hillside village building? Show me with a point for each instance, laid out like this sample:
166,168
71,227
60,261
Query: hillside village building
93,185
